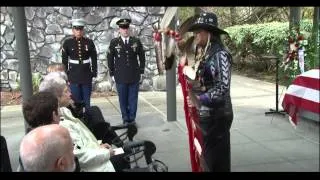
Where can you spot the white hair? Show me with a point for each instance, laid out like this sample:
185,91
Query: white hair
53,75
40,149
53,84
43,157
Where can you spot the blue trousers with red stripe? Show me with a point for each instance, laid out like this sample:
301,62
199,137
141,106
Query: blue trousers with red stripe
81,93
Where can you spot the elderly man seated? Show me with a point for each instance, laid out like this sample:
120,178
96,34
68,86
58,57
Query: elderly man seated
47,148
42,109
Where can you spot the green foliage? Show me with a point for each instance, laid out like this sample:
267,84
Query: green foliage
313,54
267,38
36,80
307,12
185,12
271,39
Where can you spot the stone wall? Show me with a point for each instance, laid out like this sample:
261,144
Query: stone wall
48,27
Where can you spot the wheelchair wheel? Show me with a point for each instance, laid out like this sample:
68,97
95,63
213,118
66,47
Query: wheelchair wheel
158,166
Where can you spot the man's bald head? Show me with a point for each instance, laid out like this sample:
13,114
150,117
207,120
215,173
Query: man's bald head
47,148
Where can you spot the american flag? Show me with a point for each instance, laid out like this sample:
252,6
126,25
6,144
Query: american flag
303,94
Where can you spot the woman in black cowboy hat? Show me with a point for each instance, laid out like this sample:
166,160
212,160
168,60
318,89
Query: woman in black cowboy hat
211,91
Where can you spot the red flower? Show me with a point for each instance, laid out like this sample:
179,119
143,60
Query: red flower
172,33
300,37
157,36
291,58
167,32
178,38
290,40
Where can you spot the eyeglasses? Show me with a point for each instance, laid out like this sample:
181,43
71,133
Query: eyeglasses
78,27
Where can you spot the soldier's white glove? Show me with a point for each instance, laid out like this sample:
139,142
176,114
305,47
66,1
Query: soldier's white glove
112,77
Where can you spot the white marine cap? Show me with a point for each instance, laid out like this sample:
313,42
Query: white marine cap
78,22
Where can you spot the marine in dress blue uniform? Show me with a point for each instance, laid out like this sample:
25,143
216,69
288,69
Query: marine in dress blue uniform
79,56
126,62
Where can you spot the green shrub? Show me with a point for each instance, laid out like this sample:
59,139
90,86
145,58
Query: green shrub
36,80
266,39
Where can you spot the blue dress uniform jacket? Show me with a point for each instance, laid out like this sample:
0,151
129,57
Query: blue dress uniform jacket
123,60
80,70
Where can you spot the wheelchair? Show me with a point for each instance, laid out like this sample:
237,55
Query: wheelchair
134,150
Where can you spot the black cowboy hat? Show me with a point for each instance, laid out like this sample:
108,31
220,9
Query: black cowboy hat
207,21
123,22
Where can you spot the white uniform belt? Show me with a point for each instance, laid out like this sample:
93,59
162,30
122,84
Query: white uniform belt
77,61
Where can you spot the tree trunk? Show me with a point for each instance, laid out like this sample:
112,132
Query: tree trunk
315,33
295,16
158,50
198,10
233,15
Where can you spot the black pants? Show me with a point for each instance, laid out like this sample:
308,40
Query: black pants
94,116
217,153
5,159
101,129
216,138
119,162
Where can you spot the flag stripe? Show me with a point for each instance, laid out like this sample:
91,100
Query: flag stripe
305,104
309,82
197,145
314,73
290,109
303,92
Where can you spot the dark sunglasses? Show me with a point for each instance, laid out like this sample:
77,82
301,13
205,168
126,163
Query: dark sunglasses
78,27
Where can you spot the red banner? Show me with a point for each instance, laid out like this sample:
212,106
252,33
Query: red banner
192,122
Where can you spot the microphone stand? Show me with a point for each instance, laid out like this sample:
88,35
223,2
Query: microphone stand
276,111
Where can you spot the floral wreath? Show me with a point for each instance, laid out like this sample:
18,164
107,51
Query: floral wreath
296,42
296,45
